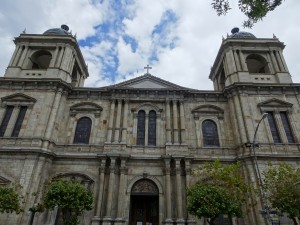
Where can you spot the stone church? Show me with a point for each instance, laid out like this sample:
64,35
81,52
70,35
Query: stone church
135,143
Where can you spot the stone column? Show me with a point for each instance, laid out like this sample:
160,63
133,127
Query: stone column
175,122
60,56
281,67
52,117
111,120
182,123
118,122
283,61
190,219
179,193
168,122
53,60
122,190
125,119
243,61
274,62
168,192
14,56
23,56
240,119
101,187
237,60
110,186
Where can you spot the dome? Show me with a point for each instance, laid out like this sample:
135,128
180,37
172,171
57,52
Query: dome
58,31
236,33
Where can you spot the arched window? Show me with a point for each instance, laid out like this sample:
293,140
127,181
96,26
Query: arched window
210,133
152,128
257,64
83,131
141,128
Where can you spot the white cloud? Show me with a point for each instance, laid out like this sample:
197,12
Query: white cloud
198,33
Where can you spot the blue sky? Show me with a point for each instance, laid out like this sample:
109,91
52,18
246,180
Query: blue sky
179,39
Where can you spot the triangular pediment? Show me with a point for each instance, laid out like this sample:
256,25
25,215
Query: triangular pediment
206,109
18,97
86,107
147,81
4,181
274,102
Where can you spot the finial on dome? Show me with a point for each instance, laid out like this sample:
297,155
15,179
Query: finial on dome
64,27
235,30
274,36
24,31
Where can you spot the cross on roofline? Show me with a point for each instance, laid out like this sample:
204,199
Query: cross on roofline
147,68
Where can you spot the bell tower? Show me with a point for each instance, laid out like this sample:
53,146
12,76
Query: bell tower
55,54
243,58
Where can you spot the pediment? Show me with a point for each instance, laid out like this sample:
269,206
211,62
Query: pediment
4,181
147,81
86,107
275,103
208,110
18,98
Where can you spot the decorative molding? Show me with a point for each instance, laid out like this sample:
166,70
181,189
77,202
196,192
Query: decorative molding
134,180
275,104
86,107
18,99
4,181
208,110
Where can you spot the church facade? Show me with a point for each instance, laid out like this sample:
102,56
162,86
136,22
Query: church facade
134,144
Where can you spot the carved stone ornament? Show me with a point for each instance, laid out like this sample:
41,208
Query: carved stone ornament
144,186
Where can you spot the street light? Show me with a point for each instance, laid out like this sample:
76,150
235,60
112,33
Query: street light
265,208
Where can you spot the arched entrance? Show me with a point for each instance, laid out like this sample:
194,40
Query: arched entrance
144,203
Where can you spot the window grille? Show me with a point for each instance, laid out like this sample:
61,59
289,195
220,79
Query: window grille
287,127
5,120
210,133
141,128
273,128
18,124
152,128
83,131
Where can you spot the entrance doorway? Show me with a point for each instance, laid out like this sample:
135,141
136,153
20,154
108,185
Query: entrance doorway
144,203
144,210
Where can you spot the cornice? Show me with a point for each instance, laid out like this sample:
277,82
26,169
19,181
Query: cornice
262,89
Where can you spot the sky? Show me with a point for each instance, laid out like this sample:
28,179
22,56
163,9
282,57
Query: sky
179,39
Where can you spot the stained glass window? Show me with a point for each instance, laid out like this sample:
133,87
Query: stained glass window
210,133
287,127
19,121
273,128
152,128
83,131
5,120
141,128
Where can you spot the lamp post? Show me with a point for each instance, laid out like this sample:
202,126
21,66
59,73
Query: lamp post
265,207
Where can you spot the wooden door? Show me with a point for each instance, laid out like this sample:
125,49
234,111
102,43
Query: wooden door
144,210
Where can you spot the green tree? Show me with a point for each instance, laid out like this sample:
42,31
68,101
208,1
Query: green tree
71,197
10,200
282,184
219,190
255,10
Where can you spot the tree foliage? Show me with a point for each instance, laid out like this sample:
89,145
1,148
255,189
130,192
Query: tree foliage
255,10
71,197
219,190
282,184
10,200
